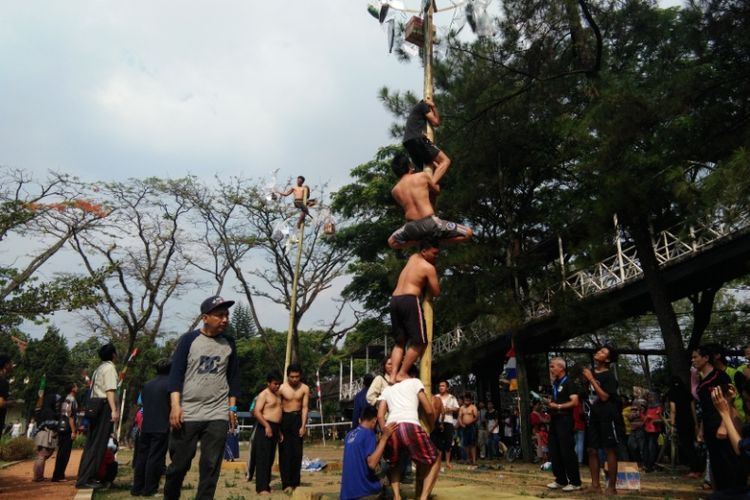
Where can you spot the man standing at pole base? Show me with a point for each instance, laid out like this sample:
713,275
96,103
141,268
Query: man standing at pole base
561,442
295,397
204,383
401,402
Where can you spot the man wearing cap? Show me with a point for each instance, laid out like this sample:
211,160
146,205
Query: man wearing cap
203,384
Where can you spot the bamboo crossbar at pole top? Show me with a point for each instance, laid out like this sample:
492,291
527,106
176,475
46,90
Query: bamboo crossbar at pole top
295,281
453,7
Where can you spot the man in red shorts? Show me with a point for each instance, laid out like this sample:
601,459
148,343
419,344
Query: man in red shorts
401,403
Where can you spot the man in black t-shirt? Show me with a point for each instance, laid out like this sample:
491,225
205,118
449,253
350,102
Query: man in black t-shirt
6,368
561,431
602,429
154,439
421,149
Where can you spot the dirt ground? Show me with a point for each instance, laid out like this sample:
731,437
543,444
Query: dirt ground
16,483
494,479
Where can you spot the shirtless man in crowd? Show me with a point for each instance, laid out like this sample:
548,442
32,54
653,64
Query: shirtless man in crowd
295,397
268,414
467,422
407,320
412,192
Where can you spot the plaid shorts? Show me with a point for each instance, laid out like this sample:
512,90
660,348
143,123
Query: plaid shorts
413,438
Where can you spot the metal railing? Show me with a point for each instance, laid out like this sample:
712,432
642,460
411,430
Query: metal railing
670,246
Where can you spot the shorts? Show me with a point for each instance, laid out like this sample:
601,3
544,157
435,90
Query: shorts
469,435
428,227
602,434
413,438
421,151
442,436
407,320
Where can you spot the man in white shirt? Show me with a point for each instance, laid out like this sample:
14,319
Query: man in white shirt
445,426
401,403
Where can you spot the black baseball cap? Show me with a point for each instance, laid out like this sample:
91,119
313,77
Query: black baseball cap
214,302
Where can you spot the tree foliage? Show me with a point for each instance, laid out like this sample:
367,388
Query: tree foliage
548,142
47,212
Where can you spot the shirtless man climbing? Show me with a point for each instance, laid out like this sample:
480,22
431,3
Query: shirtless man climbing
407,320
268,414
301,198
412,192
295,397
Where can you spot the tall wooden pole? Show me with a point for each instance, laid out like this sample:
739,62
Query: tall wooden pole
293,305
425,365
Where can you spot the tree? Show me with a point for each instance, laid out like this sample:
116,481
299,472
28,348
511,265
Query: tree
47,357
47,213
238,218
545,145
242,322
139,245
662,95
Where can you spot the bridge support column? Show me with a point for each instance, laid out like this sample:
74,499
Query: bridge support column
525,407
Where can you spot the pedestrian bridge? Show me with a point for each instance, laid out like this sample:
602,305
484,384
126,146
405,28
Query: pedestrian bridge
691,257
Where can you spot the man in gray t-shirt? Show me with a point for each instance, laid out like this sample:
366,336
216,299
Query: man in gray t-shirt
203,385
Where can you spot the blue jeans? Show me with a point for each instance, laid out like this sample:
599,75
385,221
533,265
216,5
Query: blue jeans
580,437
493,445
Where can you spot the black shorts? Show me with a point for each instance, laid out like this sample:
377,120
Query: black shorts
602,434
407,320
442,436
421,151
428,227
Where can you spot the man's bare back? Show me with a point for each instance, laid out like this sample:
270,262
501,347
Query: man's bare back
417,273
412,192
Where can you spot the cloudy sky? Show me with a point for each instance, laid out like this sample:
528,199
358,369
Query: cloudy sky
122,89
111,90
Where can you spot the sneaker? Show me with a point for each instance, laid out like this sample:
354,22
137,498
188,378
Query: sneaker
572,487
554,486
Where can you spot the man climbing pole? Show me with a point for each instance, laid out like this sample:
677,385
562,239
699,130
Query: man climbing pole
421,149
407,320
412,192
301,198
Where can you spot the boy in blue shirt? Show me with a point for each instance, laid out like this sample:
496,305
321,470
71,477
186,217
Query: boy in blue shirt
362,452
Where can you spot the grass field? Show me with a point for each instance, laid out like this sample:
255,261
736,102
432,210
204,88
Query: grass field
494,480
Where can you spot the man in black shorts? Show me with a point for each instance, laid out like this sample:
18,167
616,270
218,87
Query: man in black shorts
422,151
602,429
412,192
301,198
407,320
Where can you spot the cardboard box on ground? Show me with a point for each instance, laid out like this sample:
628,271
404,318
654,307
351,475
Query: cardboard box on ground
628,476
